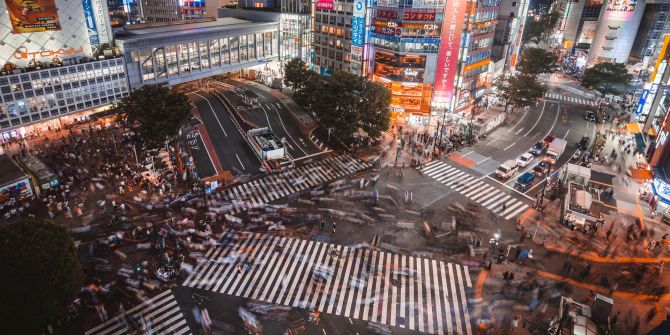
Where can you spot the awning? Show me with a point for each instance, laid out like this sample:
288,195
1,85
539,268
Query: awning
633,127
651,132
103,114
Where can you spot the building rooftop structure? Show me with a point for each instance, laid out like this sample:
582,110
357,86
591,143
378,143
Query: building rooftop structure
186,27
9,171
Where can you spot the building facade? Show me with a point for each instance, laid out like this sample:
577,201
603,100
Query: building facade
433,55
55,67
507,41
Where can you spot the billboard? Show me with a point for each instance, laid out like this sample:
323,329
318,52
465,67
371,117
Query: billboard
358,24
324,4
29,16
419,15
588,32
390,14
447,57
620,10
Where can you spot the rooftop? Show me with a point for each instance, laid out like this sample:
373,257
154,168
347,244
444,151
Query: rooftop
171,29
9,172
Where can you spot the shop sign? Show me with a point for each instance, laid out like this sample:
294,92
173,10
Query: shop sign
620,10
418,15
662,190
22,52
640,103
447,58
388,31
381,23
324,4
390,14
427,26
358,24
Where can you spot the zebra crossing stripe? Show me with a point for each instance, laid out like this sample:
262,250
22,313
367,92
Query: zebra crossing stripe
445,297
518,211
219,267
492,199
483,186
198,267
454,298
468,330
501,201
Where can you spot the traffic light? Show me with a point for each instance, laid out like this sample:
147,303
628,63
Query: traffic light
138,267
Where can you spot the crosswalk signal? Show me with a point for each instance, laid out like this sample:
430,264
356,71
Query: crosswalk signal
138,267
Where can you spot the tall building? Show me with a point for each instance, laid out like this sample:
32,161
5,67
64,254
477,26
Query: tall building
160,10
433,55
507,41
57,64
616,30
212,7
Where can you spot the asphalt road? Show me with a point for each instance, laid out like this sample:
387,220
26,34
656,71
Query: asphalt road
273,114
233,152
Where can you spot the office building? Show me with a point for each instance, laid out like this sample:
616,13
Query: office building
339,35
433,55
507,41
56,67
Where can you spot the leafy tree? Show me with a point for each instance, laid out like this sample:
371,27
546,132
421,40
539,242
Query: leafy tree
41,275
536,61
296,74
519,90
539,28
158,111
344,102
607,78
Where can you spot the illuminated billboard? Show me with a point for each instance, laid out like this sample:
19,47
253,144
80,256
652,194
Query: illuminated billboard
620,10
324,4
447,57
29,16
358,24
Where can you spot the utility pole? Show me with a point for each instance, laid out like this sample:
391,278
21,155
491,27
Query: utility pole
544,187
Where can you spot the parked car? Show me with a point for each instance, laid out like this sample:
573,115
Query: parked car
525,181
524,160
541,168
583,143
537,149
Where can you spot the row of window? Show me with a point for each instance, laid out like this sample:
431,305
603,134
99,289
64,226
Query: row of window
195,56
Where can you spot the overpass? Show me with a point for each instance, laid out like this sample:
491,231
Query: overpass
179,52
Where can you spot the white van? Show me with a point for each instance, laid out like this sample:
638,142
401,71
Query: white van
507,169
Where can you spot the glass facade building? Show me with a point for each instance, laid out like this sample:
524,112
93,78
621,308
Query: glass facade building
44,94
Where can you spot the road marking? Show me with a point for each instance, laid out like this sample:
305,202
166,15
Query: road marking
286,130
566,134
213,112
520,130
511,188
544,104
239,160
509,146
468,153
487,158
522,116
267,117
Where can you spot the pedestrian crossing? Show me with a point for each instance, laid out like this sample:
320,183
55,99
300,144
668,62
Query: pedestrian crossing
271,187
573,100
475,189
415,293
158,315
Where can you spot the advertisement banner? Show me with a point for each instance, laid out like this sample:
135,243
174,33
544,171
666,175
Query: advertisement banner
420,14
90,22
447,57
641,102
620,10
588,32
358,24
388,14
102,21
324,4
33,16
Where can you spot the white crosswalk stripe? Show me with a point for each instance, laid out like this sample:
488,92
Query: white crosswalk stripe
261,191
393,289
160,315
475,189
581,101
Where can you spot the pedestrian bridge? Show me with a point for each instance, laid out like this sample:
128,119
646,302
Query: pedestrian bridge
174,53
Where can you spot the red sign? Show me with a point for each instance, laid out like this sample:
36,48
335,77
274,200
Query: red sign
418,15
387,14
447,57
324,4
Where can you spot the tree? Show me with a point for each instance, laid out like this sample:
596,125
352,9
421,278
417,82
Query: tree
158,111
536,61
519,90
607,78
537,28
296,74
344,103
41,275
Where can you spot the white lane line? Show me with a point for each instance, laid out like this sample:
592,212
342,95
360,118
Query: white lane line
566,134
466,270
287,132
511,188
518,131
487,158
544,104
471,152
522,116
239,160
213,112
509,146
267,117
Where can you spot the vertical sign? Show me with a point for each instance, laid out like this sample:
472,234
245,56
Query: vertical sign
102,21
358,24
447,57
90,23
